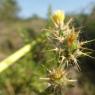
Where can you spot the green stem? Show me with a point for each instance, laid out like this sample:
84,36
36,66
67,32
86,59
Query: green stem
16,56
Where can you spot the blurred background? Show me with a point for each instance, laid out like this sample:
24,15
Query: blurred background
21,22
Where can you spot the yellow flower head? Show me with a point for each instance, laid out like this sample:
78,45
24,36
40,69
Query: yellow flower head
56,74
58,18
71,38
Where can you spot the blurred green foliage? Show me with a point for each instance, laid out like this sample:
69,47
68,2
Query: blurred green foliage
8,10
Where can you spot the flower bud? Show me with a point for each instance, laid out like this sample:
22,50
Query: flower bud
58,18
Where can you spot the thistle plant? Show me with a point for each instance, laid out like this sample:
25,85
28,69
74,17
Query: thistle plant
68,48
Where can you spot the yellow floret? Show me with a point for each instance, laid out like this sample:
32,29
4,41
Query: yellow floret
58,18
